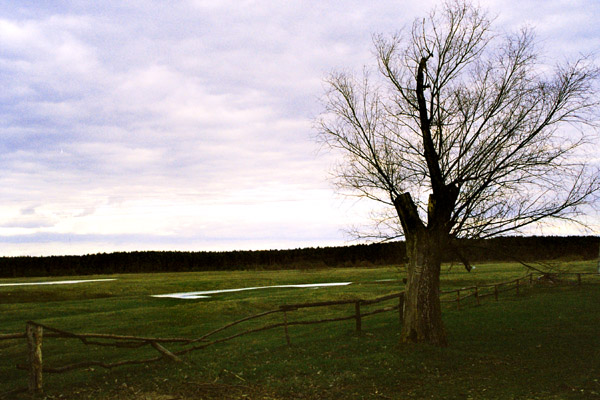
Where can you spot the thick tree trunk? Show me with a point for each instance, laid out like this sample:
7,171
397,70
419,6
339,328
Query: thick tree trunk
424,244
422,310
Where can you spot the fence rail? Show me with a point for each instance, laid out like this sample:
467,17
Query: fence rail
35,332
501,287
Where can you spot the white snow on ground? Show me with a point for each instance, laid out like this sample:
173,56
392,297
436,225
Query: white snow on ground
56,282
205,294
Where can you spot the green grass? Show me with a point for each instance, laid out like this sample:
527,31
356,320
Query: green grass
543,343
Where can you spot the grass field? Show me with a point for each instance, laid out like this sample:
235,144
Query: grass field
543,343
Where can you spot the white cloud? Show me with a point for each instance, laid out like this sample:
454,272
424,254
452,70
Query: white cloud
138,125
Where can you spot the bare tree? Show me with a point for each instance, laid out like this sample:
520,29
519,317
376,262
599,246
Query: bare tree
463,133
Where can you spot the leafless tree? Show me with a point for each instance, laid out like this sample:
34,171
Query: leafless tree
463,133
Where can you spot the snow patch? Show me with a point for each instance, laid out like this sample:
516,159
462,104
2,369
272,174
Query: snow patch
57,282
206,294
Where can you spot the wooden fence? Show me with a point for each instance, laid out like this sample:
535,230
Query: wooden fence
481,291
35,332
494,289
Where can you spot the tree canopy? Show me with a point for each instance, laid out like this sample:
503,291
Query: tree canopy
455,103
464,133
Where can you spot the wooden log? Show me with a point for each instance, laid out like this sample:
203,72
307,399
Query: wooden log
34,343
9,336
291,307
382,298
166,353
357,316
84,336
239,321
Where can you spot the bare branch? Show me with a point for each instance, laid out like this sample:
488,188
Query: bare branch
456,105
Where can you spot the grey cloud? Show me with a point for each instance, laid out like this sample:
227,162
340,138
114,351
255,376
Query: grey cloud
27,223
28,210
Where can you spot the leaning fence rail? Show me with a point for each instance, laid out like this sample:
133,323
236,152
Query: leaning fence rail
35,332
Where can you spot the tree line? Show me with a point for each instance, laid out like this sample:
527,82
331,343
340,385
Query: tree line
511,248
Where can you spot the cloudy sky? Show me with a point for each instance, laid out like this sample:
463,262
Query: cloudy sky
187,125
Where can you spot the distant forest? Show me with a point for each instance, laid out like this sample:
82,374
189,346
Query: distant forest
511,248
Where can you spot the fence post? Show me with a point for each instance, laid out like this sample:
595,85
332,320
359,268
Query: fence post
496,292
401,308
35,334
458,299
285,328
358,321
477,295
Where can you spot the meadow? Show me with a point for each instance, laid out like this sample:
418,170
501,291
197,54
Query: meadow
543,343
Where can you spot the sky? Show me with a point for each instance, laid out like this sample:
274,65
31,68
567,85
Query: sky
189,125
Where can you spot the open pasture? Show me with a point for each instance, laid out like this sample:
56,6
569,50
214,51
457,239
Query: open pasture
542,343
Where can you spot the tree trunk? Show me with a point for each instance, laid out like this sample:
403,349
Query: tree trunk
422,310
424,244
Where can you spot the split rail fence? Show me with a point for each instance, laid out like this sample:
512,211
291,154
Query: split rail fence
35,332
494,289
